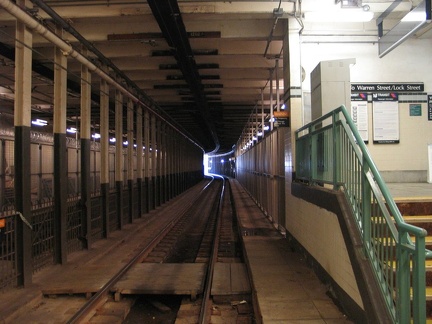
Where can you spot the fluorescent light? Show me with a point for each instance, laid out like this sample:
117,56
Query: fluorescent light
415,16
39,122
125,143
112,140
96,136
71,130
339,16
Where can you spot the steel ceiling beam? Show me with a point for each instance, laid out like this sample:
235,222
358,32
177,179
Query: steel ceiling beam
167,14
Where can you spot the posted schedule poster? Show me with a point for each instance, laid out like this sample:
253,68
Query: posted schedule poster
359,114
385,118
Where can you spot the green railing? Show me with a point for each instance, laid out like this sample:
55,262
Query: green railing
330,152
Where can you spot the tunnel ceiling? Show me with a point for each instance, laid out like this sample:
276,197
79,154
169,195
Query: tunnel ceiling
202,64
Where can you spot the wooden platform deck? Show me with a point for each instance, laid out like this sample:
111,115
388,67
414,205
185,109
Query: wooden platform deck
163,279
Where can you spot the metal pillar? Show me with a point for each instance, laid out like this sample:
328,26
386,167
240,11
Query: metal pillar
147,160
139,153
60,155
155,162
85,131
130,158
271,100
104,159
22,120
119,156
162,151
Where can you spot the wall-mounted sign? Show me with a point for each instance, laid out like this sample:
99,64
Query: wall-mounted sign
415,109
379,87
429,100
281,118
359,114
385,118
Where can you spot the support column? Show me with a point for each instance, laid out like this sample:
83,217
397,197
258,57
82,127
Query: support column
130,158
104,159
292,85
169,162
85,131
22,120
155,164
139,153
271,100
60,154
119,156
147,160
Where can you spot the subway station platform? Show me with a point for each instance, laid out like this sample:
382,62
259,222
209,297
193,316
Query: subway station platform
287,289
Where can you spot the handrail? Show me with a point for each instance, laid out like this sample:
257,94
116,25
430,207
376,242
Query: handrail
330,151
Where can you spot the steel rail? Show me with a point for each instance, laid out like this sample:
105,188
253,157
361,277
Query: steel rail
212,261
90,304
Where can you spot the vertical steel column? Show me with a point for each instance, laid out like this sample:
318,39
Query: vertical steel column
170,161
130,157
271,99
139,153
22,120
104,159
156,160
85,154
277,86
147,161
60,155
119,156
162,151
262,113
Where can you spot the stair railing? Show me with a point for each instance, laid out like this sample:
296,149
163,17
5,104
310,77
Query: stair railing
331,152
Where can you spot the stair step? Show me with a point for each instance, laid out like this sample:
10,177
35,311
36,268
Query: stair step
418,219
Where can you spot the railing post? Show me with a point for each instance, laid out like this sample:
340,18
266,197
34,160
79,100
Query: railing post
336,150
366,207
313,156
402,280
419,281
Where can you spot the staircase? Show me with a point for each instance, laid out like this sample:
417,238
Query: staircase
418,212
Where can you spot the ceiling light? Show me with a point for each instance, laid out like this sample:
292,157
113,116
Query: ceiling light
39,122
414,16
339,16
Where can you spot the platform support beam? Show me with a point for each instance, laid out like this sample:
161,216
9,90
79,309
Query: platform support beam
60,154
85,132
119,157
104,159
139,153
147,161
22,120
130,158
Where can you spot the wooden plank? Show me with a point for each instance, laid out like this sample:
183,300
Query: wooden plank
239,279
163,278
221,284
230,279
87,279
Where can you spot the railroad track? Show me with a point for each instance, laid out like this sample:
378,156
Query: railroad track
188,238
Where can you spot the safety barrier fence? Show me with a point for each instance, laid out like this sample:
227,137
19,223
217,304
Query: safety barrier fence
42,224
331,152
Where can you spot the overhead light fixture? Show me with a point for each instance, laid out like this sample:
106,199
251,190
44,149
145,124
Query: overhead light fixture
39,122
354,15
71,130
414,16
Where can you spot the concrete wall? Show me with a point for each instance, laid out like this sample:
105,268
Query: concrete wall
318,231
406,161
